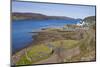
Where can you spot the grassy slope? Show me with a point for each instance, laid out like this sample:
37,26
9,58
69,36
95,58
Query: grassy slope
33,54
87,48
36,52
41,51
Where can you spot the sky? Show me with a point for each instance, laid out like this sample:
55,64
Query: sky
74,11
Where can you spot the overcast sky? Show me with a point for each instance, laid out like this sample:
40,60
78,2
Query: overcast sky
74,11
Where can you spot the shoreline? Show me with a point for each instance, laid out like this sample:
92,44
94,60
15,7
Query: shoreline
43,30
18,55
28,45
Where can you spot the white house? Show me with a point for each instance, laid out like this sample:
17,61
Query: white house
81,23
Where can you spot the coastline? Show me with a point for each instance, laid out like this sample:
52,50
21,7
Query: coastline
60,38
48,31
28,45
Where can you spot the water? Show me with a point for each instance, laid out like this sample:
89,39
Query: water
21,28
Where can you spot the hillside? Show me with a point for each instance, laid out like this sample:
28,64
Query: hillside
36,16
53,45
91,20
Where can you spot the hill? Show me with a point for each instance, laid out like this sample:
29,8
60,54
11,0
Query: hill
36,16
90,20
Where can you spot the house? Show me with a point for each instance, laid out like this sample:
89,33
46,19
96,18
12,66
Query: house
79,26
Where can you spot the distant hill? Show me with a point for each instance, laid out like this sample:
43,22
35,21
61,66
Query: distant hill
36,16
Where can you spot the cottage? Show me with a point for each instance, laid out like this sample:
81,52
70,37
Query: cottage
73,27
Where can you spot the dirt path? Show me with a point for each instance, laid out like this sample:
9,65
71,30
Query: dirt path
54,58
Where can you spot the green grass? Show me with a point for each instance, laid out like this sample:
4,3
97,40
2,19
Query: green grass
87,48
67,44
38,48
34,53
23,61
41,51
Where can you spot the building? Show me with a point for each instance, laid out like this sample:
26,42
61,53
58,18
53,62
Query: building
79,26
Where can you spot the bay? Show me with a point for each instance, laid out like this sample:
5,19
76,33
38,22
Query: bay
21,28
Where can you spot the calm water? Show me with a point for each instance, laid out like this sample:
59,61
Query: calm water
21,28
